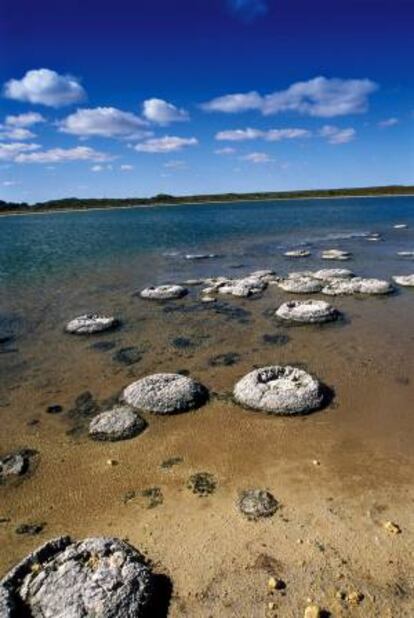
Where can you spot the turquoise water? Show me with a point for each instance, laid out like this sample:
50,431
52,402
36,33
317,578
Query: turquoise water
55,244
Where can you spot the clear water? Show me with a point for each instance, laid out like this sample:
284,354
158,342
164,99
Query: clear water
50,245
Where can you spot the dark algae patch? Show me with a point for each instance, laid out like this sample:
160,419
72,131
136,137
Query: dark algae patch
153,496
128,356
275,339
202,484
167,464
224,360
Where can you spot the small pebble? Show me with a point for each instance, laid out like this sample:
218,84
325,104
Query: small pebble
313,611
111,462
392,527
316,462
355,598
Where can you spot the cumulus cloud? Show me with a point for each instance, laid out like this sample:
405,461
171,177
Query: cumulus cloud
335,135
24,120
248,9
320,97
104,122
9,152
60,155
257,157
45,87
388,122
271,135
163,113
166,144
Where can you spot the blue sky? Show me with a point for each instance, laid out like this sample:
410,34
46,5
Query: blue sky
203,96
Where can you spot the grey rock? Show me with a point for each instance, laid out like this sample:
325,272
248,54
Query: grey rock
307,311
257,503
13,465
279,389
120,423
164,292
91,323
357,285
404,280
300,285
7,605
165,393
100,577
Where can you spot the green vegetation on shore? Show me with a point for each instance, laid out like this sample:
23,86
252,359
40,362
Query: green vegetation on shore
73,203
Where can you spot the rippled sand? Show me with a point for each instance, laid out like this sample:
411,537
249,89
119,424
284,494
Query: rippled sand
339,474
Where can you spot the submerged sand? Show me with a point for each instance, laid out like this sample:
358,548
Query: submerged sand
339,474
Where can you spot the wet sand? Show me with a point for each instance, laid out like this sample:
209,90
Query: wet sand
327,538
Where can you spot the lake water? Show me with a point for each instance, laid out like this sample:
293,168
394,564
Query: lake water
54,267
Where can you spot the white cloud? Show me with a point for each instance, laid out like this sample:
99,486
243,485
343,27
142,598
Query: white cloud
8,152
257,157
126,167
176,165
46,87
24,120
97,168
225,151
104,122
162,112
388,122
15,133
271,135
166,144
335,135
59,155
9,183
321,97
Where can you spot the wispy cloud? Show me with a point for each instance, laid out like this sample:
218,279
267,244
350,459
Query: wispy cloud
8,152
163,113
24,120
257,157
60,155
388,122
175,165
225,151
248,9
126,167
15,133
271,135
166,144
335,135
45,87
320,97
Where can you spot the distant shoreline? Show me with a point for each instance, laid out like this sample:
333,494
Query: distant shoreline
241,199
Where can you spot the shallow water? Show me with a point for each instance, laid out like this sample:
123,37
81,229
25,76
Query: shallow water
54,267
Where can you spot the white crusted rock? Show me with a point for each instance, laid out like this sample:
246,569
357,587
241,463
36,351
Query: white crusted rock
357,285
300,284
91,323
307,311
165,393
164,292
279,390
297,253
257,503
404,280
325,274
335,254
120,423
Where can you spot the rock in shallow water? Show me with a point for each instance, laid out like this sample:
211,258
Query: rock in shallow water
279,389
102,577
297,253
325,274
357,285
404,280
164,292
165,393
300,285
121,423
257,503
335,254
307,311
91,323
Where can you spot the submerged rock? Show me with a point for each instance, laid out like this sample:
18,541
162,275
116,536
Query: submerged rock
120,423
257,503
404,280
99,576
357,285
128,356
279,389
297,253
335,254
13,465
165,393
202,483
307,311
164,292
300,285
91,323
